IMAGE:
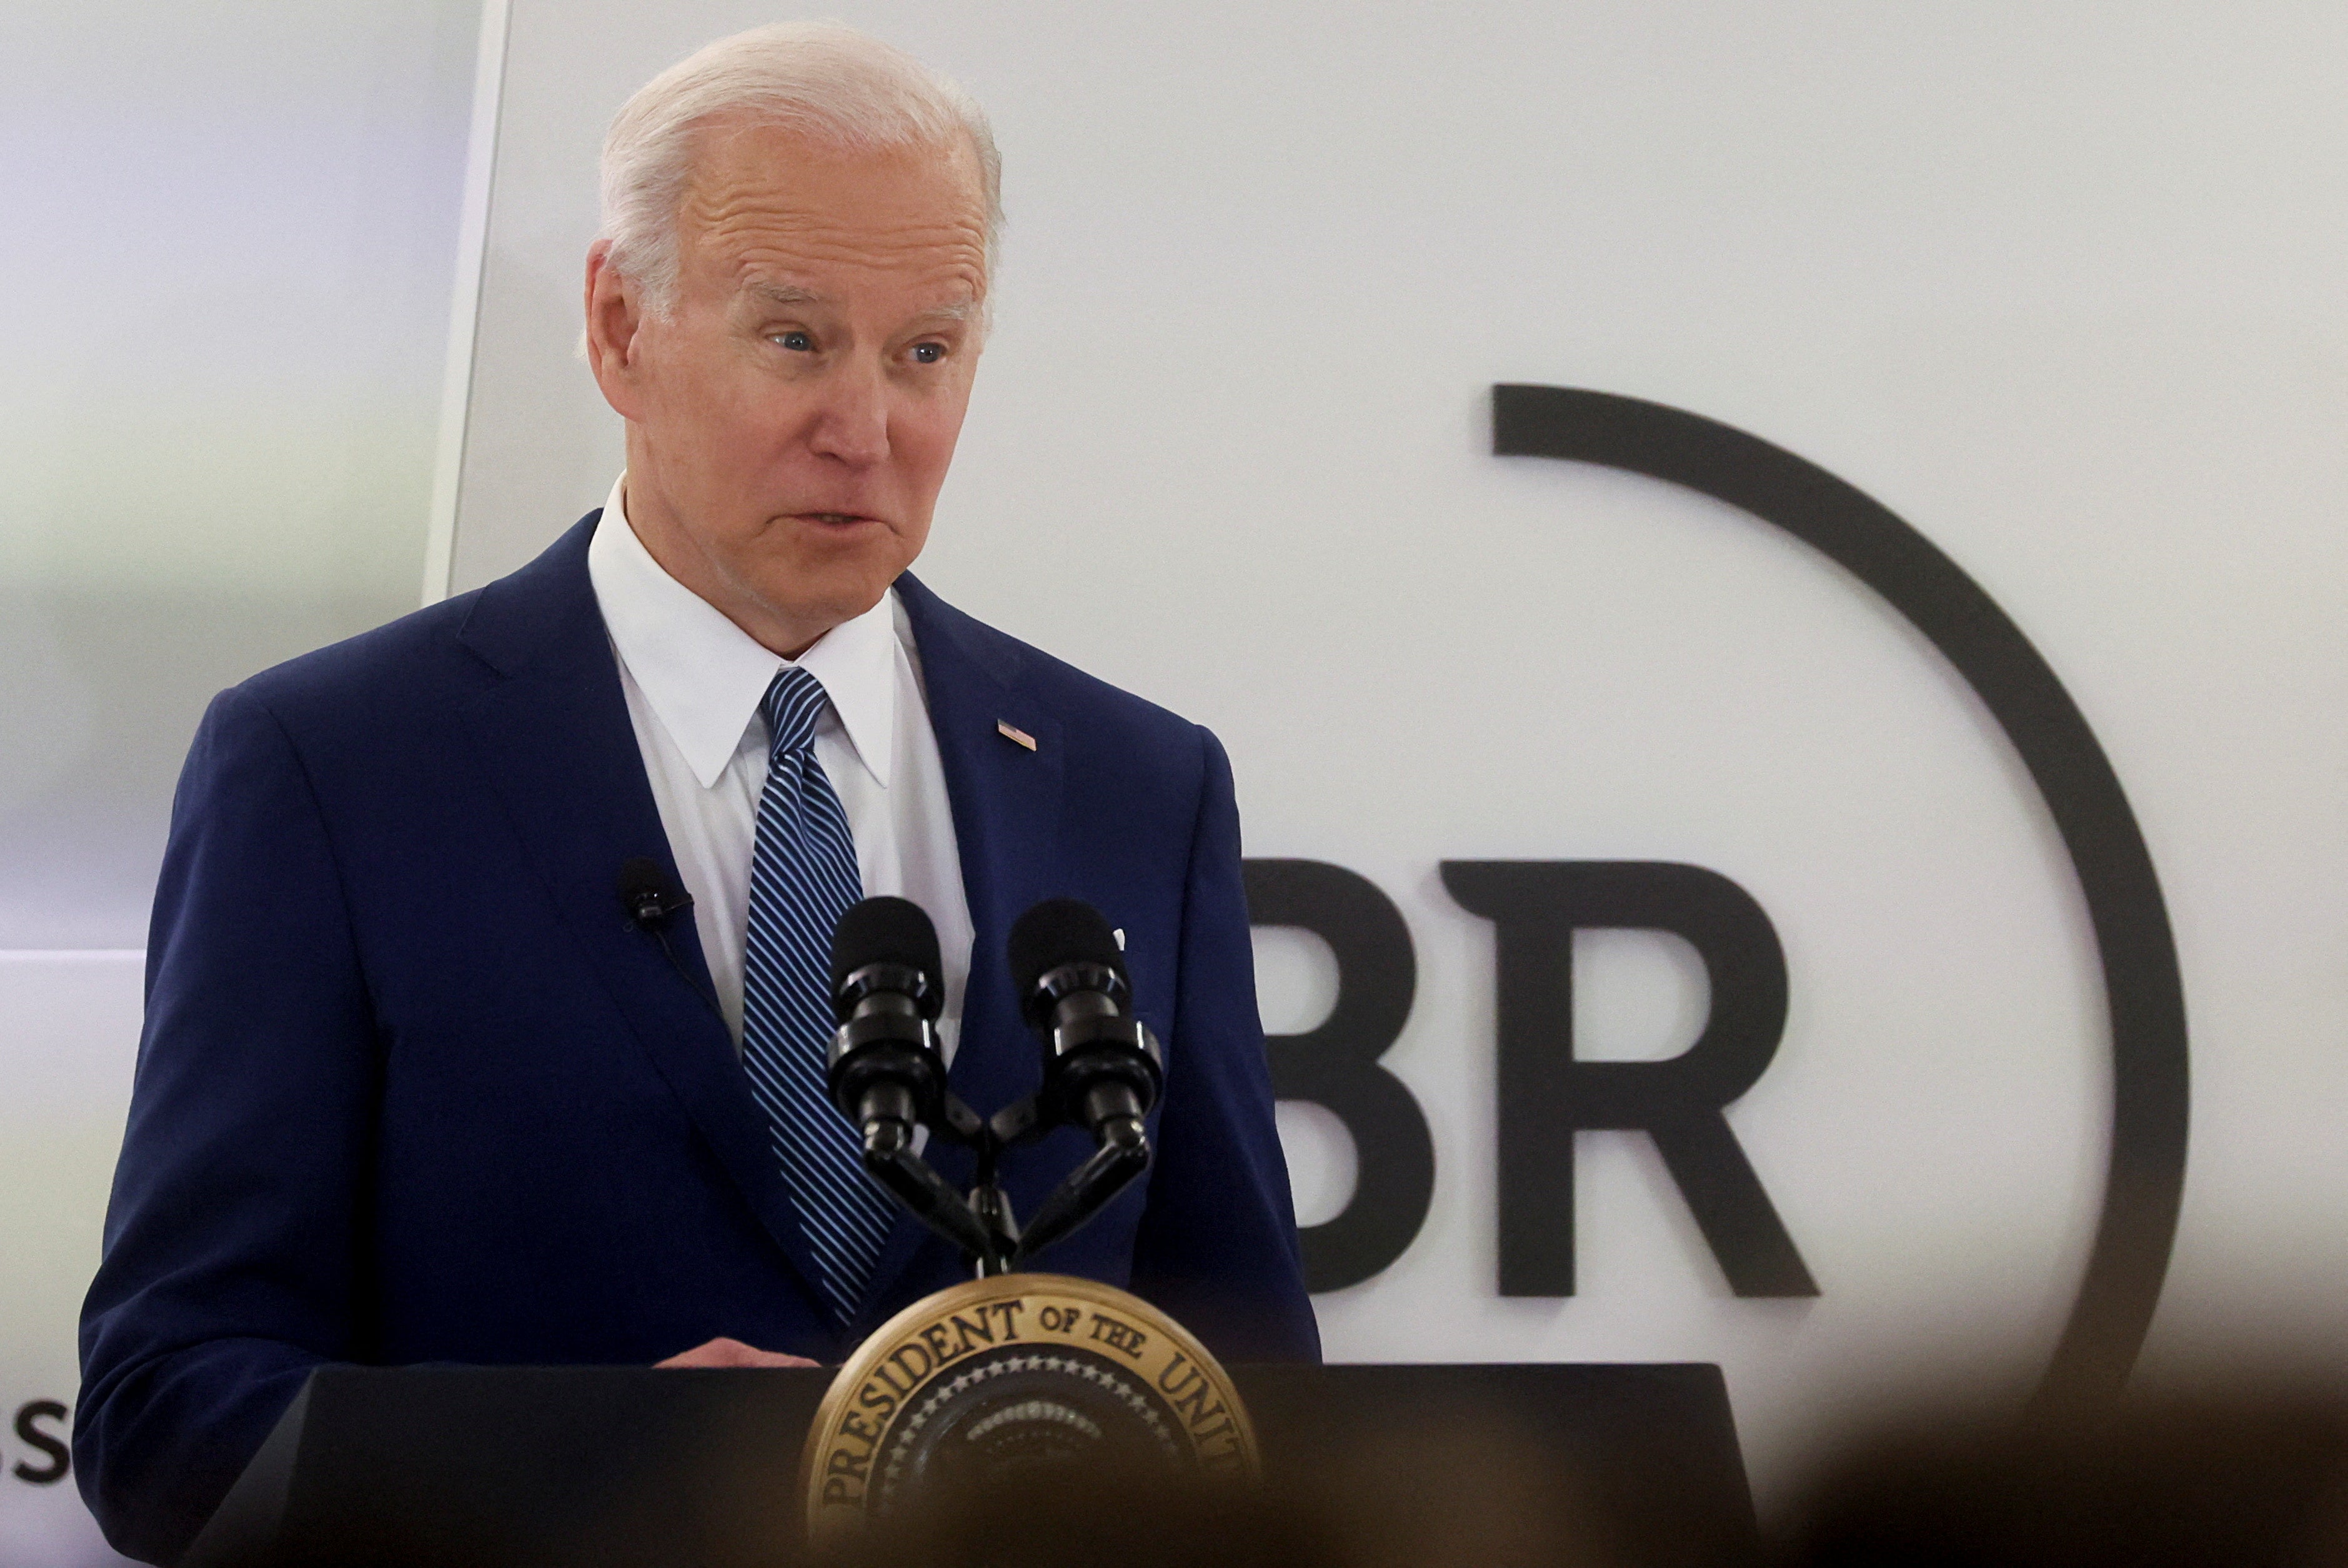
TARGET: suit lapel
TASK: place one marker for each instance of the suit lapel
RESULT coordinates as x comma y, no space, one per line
555,741
1008,830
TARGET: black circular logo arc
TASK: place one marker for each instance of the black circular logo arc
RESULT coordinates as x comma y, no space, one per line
2144,995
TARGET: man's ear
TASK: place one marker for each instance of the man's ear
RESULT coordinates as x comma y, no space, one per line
615,314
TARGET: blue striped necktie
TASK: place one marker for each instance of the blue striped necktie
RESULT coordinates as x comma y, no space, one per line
803,877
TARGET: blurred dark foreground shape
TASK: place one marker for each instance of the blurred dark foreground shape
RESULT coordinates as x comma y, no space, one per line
588,1467
2212,1482
2236,1479
1367,1467
1450,1493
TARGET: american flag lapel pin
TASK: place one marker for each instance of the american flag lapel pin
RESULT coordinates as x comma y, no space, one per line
1011,731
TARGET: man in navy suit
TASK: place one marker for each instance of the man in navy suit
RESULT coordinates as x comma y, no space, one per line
413,1088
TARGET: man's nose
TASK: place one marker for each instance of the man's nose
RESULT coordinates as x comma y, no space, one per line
853,424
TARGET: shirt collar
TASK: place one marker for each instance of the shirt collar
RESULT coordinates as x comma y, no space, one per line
704,675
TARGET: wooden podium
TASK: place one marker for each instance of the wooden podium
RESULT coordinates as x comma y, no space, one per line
519,1467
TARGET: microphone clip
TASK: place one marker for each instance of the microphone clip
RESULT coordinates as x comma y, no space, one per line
650,896
653,899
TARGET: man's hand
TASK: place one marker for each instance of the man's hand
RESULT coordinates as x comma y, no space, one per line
733,1353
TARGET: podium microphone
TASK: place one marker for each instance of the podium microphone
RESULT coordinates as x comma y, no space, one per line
885,1065
1102,1070
887,1074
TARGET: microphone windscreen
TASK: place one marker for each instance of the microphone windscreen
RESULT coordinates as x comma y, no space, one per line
884,931
1060,931
642,877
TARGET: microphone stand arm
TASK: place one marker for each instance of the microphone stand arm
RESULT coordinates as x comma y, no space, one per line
983,1225
889,1156
1123,1154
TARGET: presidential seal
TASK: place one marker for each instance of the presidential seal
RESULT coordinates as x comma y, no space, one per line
1016,1379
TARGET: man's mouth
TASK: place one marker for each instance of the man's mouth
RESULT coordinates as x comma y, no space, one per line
836,519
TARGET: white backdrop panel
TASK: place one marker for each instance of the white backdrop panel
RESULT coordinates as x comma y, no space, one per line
2059,284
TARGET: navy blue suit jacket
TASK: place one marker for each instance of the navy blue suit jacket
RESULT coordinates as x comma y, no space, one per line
412,1089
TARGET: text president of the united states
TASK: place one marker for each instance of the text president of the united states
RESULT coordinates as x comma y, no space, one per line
412,1086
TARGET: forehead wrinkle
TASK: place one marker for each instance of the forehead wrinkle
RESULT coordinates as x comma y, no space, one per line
751,219
731,206
765,269
787,242
760,202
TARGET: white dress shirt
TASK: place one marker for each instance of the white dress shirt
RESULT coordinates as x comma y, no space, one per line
693,681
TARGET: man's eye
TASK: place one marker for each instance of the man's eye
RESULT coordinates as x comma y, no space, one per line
797,342
929,353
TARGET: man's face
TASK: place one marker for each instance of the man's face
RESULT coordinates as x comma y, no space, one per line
791,421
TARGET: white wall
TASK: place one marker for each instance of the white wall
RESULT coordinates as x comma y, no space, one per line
2059,284
230,248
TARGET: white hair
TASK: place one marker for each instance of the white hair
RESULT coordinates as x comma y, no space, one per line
823,78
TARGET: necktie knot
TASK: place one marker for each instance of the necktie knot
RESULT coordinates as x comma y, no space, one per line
793,702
